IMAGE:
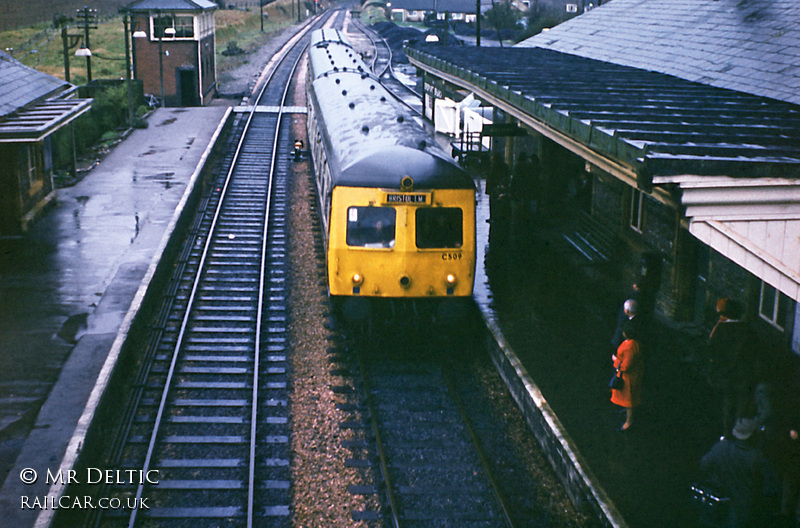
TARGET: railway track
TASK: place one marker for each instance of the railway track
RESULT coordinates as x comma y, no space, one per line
383,68
209,423
423,425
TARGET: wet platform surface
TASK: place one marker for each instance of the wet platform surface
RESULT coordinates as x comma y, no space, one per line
66,288
558,312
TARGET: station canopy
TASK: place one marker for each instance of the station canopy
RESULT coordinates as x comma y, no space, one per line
658,124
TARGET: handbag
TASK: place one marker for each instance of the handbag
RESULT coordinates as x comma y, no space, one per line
712,508
616,382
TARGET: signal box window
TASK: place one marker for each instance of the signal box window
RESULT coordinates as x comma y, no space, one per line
439,227
184,26
371,227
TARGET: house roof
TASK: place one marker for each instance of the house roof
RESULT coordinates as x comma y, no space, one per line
750,46
171,5
21,86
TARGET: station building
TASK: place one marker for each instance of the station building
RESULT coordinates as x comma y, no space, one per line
680,120
173,49
33,105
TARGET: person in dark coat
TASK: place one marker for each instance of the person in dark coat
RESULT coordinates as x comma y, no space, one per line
628,316
523,190
497,182
732,363
738,469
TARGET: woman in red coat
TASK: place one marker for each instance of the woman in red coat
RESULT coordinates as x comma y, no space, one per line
630,363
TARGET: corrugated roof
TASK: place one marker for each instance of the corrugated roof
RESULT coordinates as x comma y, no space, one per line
171,5
35,122
750,46
21,85
656,123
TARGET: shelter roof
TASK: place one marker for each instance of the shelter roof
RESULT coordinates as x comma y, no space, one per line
171,5
21,85
658,124
750,46
30,107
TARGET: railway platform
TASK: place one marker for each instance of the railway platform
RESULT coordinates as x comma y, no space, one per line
71,287
556,312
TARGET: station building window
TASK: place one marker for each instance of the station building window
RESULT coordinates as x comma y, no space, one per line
371,227
34,168
773,306
439,227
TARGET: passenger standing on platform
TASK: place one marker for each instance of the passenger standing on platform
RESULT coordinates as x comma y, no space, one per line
790,468
732,363
627,317
499,204
721,304
739,470
522,190
778,409
630,362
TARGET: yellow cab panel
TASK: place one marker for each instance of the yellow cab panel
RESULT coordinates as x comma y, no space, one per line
395,244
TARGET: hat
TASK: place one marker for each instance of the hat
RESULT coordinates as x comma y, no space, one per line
744,428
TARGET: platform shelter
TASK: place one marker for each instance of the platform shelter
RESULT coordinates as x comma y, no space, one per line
33,105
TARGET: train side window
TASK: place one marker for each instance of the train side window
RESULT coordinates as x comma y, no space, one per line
371,227
439,227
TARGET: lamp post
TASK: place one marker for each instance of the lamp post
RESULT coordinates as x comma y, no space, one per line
69,41
166,31
88,20
126,23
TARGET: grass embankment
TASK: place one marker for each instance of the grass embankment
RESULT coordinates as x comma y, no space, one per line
41,47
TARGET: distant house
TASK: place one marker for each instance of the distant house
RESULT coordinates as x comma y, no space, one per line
174,49
33,105
416,10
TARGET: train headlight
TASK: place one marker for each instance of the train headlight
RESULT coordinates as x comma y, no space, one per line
405,281
357,279
450,280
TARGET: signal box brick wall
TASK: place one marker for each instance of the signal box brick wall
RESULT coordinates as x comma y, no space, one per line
193,55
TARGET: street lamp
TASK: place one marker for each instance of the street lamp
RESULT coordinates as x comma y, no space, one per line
126,20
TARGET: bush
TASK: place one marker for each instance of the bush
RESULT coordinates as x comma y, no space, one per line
109,112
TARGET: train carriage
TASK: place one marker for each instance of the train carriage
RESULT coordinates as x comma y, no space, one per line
398,212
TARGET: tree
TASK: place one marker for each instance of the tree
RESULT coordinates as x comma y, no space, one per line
503,15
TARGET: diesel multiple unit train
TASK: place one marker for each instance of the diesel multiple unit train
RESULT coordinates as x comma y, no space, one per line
398,213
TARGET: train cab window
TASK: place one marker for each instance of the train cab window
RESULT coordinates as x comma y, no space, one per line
439,227
371,227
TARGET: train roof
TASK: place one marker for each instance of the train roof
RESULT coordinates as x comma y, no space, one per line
321,37
334,58
374,140
387,167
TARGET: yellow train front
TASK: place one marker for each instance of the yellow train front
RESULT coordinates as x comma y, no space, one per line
398,213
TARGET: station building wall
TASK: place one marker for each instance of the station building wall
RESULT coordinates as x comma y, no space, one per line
27,181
